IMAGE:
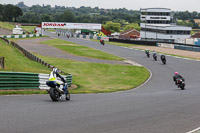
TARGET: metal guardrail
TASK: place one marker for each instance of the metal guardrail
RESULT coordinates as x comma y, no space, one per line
2,62
21,80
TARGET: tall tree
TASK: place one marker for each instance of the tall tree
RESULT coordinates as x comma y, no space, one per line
111,26
68,16
132,26
17,12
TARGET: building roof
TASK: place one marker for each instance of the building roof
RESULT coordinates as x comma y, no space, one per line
128,31
165,25
196,35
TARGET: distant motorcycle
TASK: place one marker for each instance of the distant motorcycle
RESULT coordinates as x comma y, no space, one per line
147,53
102,42
55,91
180,83
163,59
155,56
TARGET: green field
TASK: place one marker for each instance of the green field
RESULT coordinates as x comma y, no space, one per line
6,25
80,50
88,77
28,28
99,78
16,62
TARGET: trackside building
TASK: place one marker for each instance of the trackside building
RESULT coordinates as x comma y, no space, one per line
156,24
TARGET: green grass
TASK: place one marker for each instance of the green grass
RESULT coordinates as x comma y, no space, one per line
80,50
6,25
16,62
22,92
28,28
89,77
100,78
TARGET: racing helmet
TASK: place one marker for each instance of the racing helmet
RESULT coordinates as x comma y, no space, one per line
176,73
55,70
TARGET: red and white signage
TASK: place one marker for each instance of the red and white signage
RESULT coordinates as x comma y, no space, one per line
63,25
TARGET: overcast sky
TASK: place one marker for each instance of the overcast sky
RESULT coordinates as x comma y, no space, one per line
175,5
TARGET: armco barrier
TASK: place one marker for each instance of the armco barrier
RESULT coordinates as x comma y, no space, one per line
14,80
21,80
21,36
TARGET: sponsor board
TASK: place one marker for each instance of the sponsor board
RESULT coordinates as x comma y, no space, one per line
71,25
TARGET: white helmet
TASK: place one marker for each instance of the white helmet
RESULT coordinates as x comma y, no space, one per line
55,70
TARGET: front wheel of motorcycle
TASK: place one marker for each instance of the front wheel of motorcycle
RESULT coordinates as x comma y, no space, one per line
182,86
67,96
54,94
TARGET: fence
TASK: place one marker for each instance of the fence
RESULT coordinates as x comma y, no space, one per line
194,48
29,55
20,80
1,62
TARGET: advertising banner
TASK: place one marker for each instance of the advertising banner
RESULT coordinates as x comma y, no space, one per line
63,25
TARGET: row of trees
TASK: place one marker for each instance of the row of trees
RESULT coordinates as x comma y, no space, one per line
117,27
115,17
9,12
37,14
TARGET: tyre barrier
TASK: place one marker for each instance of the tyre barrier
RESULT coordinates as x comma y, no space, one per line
22,80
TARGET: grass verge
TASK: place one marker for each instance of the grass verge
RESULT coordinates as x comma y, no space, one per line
80,50
89,77
100,78
6,25
22,92
16,62
28,28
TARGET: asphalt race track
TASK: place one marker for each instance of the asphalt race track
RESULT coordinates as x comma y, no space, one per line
156,107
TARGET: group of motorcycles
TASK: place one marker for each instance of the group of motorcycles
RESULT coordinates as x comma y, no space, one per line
162,57
179,82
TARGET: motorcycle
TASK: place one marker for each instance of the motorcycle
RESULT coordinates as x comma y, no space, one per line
148,54
56,93
180,83
163,59
155,57
102,42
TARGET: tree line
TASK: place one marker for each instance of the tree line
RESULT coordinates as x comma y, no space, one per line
10,12
123,17
38,14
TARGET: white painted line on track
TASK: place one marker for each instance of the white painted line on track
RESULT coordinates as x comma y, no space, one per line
197,130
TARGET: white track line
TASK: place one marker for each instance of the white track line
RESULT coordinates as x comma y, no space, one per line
197,130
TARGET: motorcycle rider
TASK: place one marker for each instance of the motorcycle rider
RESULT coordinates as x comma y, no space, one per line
55,76
162,57
146,51
102,41
176,77
154,55
154,52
